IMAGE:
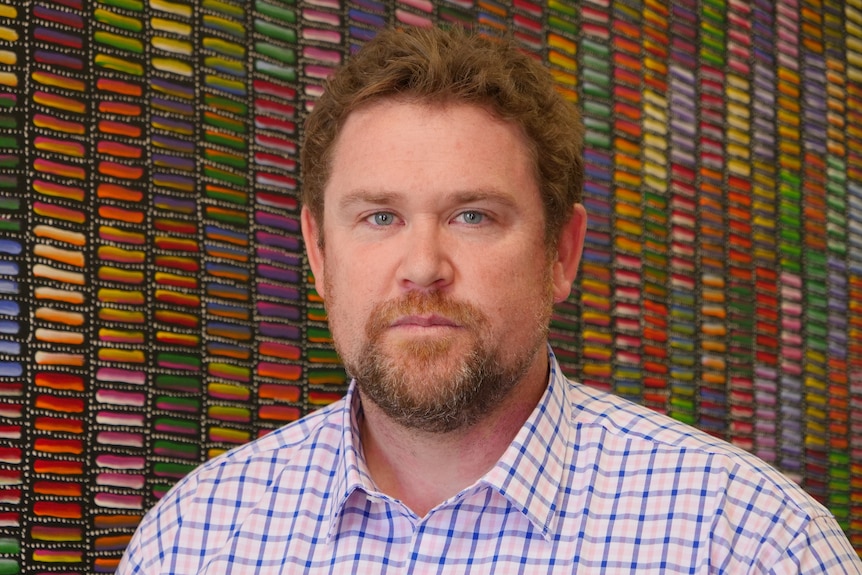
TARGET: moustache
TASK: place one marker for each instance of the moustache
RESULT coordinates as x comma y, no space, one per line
416,303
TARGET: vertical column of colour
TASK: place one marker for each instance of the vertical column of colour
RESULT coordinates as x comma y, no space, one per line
118,398
595,95
14,290
322,49
59,178
174,397
852,55
740,270
528,27
740,276
458,12
765,248
654,203
178,399
790,234
836,242
815,270
278,251
366,17
683,169
59,252
414,12
560,34
561,59
491,16
223,43
628,229
712,351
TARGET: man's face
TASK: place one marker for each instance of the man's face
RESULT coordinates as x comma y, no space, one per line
437,281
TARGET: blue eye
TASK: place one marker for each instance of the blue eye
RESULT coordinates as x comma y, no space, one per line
471,217
383,218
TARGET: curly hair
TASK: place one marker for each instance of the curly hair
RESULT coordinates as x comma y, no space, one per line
452,65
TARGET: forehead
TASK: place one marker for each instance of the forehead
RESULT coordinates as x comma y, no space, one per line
402,142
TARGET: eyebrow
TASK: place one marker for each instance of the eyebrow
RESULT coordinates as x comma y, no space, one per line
362,196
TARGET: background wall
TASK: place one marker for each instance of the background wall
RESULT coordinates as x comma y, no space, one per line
156,310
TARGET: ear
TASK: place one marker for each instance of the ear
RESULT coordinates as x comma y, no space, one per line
570,244
311,235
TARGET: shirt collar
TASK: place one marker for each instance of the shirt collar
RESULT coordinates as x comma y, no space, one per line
351,473
529,473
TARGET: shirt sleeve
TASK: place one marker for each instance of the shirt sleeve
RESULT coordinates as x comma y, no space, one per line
821,548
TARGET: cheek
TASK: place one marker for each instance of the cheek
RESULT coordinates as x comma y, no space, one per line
516,271
510,296
348,299
344,323
356,271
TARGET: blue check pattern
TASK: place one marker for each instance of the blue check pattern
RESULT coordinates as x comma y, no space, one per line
591,484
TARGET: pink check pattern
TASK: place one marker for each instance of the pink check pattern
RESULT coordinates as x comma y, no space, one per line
591,484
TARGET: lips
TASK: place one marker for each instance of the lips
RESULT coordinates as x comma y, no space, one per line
423,321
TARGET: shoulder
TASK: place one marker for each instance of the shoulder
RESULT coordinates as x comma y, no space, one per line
664,448
714,497
197,515
312,440
621,417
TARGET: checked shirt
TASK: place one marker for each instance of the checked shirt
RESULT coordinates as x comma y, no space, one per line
591,484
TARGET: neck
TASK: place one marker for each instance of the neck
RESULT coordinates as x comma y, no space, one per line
423,469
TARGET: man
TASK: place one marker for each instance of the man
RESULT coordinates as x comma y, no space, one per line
442,218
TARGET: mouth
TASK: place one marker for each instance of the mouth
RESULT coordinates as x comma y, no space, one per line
424,321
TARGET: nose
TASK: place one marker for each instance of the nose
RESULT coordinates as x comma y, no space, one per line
426,261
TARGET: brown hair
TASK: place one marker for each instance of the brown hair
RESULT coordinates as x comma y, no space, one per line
453,65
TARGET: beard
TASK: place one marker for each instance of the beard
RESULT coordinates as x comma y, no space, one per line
440,384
